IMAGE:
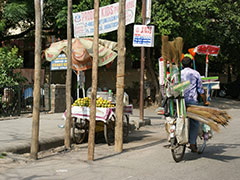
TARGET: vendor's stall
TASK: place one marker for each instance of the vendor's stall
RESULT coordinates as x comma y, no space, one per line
105,119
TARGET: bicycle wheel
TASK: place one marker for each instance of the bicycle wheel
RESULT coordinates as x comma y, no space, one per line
79,130
178,150
109,132
202,142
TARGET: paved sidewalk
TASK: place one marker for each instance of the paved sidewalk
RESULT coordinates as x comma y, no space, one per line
16,132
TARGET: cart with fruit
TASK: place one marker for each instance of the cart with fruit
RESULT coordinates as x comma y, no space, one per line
105,119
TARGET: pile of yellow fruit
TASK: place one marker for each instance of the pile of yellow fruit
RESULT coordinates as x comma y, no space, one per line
86,101
103,103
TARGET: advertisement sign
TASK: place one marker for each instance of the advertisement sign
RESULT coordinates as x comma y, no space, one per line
83,22
60,63
143,36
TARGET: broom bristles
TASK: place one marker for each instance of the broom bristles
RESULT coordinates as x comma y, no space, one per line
179,46
172,50
212,124
216,115
165,49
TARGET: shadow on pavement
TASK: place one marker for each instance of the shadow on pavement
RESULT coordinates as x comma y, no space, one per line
215,152
137,136
224,103
143,146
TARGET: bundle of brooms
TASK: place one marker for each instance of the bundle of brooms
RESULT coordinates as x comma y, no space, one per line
208,115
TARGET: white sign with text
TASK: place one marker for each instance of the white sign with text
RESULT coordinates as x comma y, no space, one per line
143,36
83,22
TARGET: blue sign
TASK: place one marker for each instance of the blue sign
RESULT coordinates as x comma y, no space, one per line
60,63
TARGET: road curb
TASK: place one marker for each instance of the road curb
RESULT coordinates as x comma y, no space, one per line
44,144
138,123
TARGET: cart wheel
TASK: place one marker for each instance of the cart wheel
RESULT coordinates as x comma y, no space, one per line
125,128
109,132
79,130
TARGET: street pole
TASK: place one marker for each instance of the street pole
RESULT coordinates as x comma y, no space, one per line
67,137
91,138
141,104
120,78
37,81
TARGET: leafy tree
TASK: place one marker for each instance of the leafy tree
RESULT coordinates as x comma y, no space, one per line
9,60
19,14
16,14
202,22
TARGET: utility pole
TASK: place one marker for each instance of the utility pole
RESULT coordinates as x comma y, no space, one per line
67,136
91,138
37,81
141,104
120,78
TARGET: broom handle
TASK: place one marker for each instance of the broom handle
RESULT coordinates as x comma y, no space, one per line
184,107
194,63
178,108
206,70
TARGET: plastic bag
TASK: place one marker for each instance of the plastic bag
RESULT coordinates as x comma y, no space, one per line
182,127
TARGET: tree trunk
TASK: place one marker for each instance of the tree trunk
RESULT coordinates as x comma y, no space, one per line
120,78
67,137
37,80
91,138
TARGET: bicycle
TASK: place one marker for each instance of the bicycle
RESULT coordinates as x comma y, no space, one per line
174,110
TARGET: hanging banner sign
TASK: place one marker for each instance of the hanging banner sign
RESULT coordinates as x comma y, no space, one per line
83,22
143,36
60,63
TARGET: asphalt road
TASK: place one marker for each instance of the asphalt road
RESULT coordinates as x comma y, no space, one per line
144,158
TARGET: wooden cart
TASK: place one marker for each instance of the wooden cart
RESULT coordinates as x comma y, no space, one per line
105,121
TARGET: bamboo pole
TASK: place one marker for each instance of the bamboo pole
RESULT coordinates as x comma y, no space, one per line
37,80
91,138
67,137
120,78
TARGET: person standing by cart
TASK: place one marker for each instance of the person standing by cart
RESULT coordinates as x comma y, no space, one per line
191,95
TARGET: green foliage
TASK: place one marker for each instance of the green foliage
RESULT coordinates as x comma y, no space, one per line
16,14
202,22
9,60
197,21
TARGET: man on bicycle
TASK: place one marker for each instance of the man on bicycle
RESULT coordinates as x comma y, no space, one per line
191,95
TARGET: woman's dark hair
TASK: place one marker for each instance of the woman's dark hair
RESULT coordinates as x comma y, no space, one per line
187,62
